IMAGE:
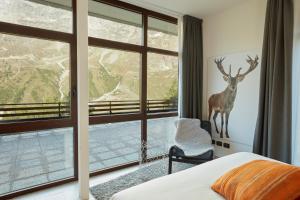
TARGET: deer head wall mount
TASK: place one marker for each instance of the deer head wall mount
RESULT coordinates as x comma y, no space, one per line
223,102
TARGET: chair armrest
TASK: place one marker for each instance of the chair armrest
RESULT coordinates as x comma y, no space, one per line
206,125
176,151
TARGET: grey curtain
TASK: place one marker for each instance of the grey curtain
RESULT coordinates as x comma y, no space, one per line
273,132
192,68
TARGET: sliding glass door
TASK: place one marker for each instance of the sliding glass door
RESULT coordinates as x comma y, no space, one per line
133,84
37,105
133,90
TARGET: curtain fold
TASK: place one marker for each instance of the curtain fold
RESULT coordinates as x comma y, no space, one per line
273,134
192,68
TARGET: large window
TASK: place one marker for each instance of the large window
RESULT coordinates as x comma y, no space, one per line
37,96
133,83
133,89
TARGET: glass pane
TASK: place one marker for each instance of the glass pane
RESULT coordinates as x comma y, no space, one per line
162,87
162,35
47,14
114,144
34,158
114,79
112,23
161,135
34,78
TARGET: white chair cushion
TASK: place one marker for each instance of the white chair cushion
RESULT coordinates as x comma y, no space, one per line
191,138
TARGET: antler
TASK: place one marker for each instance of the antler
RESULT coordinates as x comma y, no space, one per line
221,68
253,64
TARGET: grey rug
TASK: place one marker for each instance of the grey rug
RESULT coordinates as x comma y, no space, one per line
146,173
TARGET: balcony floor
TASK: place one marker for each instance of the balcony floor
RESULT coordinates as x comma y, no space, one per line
30,159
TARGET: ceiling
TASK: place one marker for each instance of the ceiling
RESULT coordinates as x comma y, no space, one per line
196,8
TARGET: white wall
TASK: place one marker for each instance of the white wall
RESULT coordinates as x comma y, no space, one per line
238,29
296,87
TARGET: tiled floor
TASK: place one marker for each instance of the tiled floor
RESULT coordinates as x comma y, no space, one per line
34,158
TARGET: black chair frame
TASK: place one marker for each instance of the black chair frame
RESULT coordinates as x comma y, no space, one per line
177,155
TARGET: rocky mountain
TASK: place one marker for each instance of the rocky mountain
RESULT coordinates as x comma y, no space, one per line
35,70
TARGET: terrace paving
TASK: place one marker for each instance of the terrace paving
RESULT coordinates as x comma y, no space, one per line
30,159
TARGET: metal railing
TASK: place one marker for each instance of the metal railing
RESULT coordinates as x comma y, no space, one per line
62,109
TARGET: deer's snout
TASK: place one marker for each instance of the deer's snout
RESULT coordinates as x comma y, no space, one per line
233,83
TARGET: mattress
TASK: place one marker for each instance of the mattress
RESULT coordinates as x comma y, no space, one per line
191,184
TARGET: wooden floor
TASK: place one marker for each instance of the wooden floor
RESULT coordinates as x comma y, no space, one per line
70,191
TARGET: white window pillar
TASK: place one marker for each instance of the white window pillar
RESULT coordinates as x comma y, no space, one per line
83,97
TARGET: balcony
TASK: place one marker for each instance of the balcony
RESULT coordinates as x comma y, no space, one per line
32,158
12,112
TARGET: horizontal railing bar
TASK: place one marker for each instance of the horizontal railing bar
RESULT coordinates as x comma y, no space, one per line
115,101
130,108
161,107
167,110
34,108
126,108
158,100
96,108
150,104
35,119
129,100
34,113
89,102
116,104
22,104
104,105
129,104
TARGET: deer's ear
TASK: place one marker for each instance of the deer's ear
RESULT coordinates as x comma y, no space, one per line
225,78
241,78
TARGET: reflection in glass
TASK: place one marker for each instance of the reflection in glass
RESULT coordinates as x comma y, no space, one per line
162,34
161,135
45,14
112,23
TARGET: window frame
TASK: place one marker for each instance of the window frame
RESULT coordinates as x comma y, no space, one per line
71,38
19,126
143,49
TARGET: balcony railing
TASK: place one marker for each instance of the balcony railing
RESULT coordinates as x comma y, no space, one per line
62,109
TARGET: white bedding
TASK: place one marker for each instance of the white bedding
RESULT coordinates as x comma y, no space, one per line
190,184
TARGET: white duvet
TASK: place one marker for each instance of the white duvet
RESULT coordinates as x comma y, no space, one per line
190,184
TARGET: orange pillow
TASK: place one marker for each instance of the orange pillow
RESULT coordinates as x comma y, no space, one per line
260,180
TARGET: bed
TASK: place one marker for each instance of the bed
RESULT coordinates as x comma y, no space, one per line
191,184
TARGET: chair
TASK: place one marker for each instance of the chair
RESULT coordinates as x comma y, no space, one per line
193,142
